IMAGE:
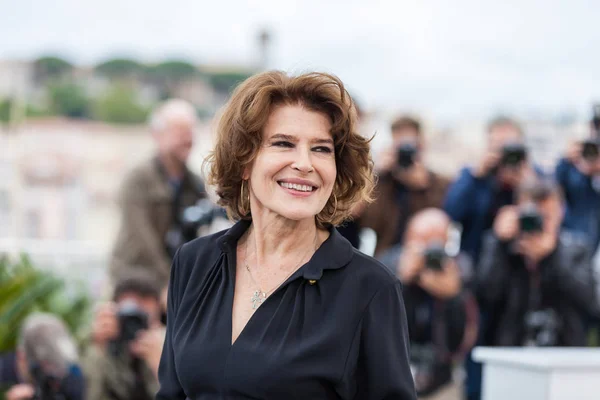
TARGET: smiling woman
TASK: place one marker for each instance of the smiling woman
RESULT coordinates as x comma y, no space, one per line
281,305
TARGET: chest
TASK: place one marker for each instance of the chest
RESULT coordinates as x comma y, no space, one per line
289,344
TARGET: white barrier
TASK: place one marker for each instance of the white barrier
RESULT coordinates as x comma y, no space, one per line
540,373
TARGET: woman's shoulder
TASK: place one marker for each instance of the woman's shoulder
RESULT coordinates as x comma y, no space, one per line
371,272
196,257
202,248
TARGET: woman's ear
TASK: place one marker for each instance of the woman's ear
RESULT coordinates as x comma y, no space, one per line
246,172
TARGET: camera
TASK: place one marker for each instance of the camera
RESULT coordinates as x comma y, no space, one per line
406,155
530,220
542,328
513,154
590,149
434,256
189,221
132,319
47,386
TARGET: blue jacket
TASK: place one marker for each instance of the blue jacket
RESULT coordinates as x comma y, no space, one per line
582,201
473,202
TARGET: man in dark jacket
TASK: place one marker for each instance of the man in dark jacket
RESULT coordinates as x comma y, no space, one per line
122,360
579,177
441,312
538,282
154,195
405,185
479,192
474,199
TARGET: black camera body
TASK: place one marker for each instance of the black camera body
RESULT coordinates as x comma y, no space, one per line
189,222
405,155
132,319
590,149
513,154
47,387
542,327
530,220
435,255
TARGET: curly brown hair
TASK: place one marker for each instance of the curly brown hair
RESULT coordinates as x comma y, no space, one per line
240,135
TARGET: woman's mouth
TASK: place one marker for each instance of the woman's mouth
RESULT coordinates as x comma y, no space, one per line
297,187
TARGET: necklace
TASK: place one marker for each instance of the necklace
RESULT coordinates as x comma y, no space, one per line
259,296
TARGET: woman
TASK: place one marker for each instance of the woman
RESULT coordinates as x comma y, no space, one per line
280,306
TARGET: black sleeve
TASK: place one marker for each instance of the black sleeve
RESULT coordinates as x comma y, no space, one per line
570,272
170,387
493,270
383,361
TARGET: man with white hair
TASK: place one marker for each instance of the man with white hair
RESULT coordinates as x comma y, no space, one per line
46,361
154,195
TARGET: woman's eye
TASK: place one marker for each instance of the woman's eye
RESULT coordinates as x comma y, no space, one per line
323,149
283,144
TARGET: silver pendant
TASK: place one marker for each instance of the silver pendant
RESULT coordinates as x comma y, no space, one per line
257,298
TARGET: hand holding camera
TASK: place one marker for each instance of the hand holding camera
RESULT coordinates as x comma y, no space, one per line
21,391
432,268
411,262
535,238
506,224
148,346
441,275
105,326
488,163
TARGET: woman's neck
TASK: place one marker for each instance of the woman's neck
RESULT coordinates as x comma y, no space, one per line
277,241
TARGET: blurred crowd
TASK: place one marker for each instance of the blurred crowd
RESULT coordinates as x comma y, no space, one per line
501,255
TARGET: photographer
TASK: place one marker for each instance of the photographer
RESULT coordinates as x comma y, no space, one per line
579,177
46,362
537,280
155,195
441,312
405,185
127,340
475,197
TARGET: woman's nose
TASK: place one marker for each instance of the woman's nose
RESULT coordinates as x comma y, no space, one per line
303,162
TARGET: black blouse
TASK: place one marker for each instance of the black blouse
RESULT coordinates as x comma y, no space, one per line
342,337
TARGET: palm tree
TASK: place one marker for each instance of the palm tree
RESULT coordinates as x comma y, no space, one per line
25,289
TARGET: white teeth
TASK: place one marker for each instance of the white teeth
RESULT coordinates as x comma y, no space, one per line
301,188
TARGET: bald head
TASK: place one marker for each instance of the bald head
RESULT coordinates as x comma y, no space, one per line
172,124
430,224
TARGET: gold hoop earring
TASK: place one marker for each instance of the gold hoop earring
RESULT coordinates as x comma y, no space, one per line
244,209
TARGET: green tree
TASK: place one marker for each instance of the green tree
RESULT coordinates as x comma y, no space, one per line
227,81
25,289
119,105
68,99
50,68
5,105
167,75
120,68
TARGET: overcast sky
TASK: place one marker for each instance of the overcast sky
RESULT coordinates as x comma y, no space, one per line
445,58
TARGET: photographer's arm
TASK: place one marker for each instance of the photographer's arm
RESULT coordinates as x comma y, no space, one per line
570,271
457,203
493,272
443,284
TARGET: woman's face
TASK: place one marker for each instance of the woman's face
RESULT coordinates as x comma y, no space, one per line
294,171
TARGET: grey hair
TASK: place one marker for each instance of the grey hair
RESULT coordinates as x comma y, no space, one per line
44,339
173,108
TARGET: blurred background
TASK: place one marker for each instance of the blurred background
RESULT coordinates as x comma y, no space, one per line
78,80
